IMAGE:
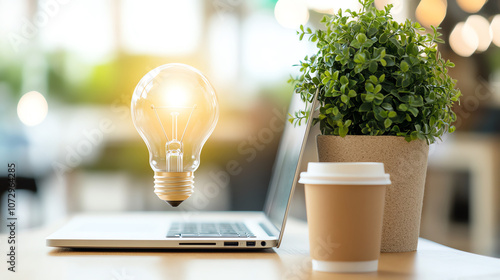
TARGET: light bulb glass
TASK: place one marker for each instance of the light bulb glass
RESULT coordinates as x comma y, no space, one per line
174,109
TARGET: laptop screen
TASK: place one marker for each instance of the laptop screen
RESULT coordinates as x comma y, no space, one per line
286,165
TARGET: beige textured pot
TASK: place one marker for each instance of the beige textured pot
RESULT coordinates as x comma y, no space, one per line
407,165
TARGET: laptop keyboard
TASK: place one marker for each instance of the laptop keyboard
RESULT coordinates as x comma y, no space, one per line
209,230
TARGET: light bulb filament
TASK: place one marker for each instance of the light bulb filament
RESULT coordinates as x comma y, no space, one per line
174,124
174,147
189,119
161,124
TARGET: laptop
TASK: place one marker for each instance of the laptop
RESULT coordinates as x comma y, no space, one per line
200,230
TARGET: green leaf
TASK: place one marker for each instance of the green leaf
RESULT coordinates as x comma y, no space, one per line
390,61
343,131
382,53
344,80
335,75
373,66
406,82
387,106
404,66
369,87
372,31
417,102
361,38
432,121
359,58
414,135
392,114
383,39
413,111
358,68
344,98
352,93
387,123
355,44
403,107
373,79
365,107
395,42
335,110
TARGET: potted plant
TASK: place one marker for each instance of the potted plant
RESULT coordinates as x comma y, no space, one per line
385,95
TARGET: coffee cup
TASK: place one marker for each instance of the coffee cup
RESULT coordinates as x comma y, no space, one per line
345,206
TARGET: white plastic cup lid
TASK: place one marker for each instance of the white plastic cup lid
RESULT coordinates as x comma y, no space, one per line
345,173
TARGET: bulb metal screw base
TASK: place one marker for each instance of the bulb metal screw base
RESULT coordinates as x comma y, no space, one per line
174,187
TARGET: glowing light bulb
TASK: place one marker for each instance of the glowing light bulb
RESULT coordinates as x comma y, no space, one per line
174,109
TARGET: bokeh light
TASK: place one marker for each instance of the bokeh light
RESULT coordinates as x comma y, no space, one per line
32,108
431,12
399,8
471,6
464,40
495,30
481,27
291,13
331,7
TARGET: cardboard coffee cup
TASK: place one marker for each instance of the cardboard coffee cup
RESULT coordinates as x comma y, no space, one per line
345,206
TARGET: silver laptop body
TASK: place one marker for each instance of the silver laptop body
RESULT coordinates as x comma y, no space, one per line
259,229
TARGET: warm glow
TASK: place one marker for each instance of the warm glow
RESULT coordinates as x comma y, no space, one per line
471,6
481,27
175,96
431,12
32,108
463,40
291,13
495,30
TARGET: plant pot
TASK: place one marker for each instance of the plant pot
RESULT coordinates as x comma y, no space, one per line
407,165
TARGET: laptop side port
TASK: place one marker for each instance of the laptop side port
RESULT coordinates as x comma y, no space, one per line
231,243
250,243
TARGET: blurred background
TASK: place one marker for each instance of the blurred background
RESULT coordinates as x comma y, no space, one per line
68,69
